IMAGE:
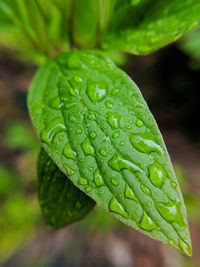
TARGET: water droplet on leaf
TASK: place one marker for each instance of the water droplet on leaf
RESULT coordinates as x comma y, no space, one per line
98,178
157,174
93,135
115,135
139,123
103,152
113,119
145,142
116,207
170,212
114,181
68,152
146,223
129,193
82,181
87,147
96,92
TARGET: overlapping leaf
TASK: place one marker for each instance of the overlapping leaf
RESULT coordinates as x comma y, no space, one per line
143,26
61,202
94,123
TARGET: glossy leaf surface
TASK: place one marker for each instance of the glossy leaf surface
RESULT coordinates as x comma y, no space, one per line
61,202
143,26
94,123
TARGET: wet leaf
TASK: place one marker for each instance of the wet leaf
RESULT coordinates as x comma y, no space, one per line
61,202
141,27
94,123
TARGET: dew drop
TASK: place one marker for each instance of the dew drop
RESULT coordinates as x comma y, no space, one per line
118,163
72,92
145,142
157,174
88,189
87,147
122,143
91,116
130,121
82,181
145,190
90,168
93,135
116,207
98,178
72,118
115,135
113,119
128,127
114,181
103,152
69,170
115,91
108,104
69,105
79,131
129,193
77,79
139,123
170,212
173,184
68,152
146,223
149,203
96,92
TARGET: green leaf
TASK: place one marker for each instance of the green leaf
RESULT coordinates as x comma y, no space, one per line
94,123
61,202
141,27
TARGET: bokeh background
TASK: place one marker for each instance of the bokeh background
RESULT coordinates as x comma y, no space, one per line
169,81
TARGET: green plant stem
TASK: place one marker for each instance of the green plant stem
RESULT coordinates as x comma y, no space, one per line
70,22
37,24
105,11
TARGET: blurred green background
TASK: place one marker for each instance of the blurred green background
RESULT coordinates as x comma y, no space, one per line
169,80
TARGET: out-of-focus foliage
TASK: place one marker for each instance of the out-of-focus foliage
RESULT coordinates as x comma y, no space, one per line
192,200
18,221
8,182
40,28
19,136
20,214
141,27
37,28
190,44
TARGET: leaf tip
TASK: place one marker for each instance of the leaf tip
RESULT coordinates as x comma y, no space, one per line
186,248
